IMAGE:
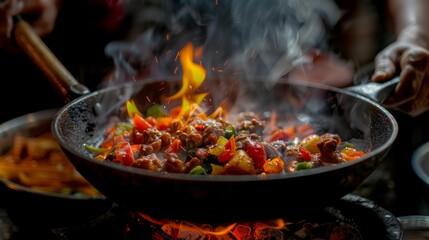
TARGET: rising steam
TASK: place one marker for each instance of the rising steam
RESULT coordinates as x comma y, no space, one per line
240,37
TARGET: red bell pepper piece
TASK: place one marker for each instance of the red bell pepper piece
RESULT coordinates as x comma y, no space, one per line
306,155
230,149
124,153
231,144
140,123
199,127
256,151
225,156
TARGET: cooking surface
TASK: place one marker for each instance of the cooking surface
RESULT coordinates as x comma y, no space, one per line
350,214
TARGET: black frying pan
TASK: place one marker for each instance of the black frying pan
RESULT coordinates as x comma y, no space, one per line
355,118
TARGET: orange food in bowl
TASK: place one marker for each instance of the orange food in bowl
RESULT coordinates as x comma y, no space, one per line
39,163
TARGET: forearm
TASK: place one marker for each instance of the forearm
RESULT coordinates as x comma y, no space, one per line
411,20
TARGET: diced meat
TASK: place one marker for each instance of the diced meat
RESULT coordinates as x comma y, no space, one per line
328,148
173,164
149,162
194,162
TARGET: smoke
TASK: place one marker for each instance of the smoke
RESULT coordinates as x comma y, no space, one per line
239,37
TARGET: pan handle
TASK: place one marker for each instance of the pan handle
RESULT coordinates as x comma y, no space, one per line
54,70
377,92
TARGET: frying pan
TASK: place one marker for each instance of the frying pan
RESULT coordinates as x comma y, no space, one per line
355,118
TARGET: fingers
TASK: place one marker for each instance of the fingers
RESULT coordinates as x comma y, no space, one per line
406,89
8,9
412,93
41,15
385,64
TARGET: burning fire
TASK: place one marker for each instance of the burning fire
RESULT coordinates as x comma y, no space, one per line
193,74
277,229
193,77
188,230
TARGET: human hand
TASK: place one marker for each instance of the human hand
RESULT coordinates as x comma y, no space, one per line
8,9
408,59
40,14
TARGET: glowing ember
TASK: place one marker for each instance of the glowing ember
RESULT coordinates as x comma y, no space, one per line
278,229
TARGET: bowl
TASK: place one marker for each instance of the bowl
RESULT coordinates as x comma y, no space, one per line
415,227
420,163
38,206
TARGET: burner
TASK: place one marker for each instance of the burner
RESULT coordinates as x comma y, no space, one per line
349,218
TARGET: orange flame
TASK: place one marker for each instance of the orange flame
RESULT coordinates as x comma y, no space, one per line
193,74
239,230
187,226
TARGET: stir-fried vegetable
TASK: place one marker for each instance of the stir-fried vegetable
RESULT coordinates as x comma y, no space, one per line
198,144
